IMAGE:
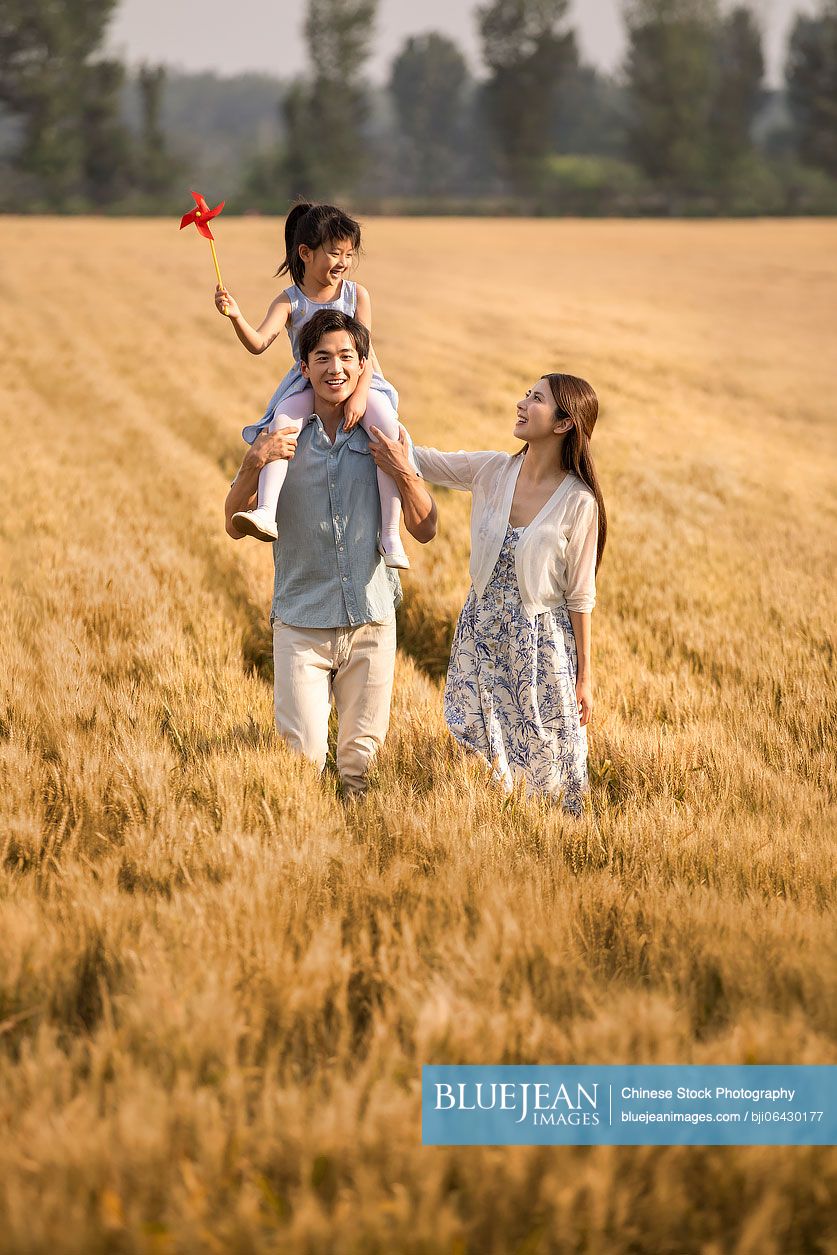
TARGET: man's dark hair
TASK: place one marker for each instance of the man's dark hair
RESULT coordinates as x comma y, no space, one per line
326,320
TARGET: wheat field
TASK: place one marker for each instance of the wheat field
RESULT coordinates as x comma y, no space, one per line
218,982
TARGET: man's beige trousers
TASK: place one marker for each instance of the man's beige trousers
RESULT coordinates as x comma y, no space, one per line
352,666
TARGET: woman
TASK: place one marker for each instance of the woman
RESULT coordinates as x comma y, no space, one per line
519,685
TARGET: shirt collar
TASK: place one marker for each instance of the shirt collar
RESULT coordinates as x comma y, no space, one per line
342,434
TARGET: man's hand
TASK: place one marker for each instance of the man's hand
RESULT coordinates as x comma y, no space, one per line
392,456
584,697
271,446
268,446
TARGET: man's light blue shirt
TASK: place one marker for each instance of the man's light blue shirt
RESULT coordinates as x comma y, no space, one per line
328,571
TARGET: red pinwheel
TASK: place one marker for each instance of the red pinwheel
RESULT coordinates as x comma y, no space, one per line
201,216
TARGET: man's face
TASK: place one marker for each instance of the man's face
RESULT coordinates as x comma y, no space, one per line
334,367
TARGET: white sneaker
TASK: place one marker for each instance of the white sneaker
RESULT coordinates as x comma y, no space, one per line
395,558
256,523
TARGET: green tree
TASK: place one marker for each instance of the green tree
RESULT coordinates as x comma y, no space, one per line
155,168
739,71
107,158
427,84
46,80
811,77
670,72
324,114
528,51
590,114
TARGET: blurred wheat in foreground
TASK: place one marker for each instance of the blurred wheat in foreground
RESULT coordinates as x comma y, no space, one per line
218,984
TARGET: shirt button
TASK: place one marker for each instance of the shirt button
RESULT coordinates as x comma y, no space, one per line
345,579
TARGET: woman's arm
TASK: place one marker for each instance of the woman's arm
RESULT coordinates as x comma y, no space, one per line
580,594
581,621
582,544
453,470
255,339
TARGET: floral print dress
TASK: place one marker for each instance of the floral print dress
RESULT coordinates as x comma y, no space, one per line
510,691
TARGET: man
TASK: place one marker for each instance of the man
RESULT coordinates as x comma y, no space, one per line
334,599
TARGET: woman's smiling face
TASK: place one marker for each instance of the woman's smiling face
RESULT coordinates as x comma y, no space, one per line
536,413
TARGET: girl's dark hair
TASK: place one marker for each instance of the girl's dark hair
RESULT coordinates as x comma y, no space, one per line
576,400
314,225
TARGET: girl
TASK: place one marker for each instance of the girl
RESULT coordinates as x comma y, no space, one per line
519,688
321,245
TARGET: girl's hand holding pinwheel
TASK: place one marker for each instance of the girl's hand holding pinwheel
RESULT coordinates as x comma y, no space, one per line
226,304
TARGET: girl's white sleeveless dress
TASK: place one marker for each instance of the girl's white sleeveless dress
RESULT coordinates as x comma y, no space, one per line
303,309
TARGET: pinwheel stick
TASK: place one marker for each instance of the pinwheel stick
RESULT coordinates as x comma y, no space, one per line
217,267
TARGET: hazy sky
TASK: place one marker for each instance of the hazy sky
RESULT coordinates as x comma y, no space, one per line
234,35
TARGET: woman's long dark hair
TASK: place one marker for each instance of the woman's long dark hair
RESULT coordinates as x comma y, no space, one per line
576,400
314,225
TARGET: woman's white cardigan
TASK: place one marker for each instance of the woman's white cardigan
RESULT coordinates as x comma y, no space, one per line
555,558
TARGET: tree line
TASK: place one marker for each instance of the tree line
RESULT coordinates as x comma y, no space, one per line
687,124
